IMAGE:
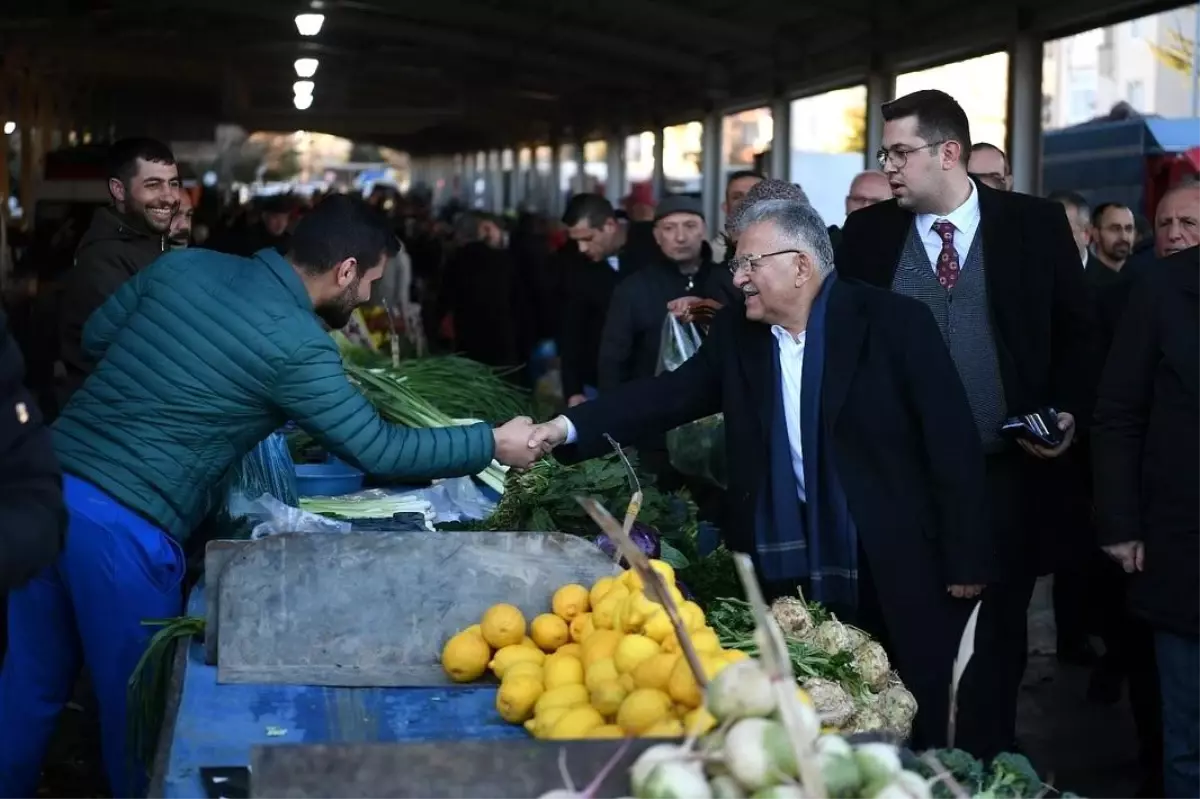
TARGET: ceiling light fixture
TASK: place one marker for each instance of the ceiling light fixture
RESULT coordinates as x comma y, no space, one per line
303,88
302,101
10,127
309,24
306,67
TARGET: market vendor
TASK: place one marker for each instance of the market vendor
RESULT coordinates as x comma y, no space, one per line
200,357
854,464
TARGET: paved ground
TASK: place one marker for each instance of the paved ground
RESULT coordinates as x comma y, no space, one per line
1076,745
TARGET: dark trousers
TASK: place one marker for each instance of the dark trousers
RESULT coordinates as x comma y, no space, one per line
987,715
1179,677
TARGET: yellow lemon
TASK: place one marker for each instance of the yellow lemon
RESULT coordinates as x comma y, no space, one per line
516,698
576,723
658,626
569,601
634,581
665,570
514,654
541,723
561,671
465,657
734,655
571,650
529,642
581,627
607,697
692,616
599,672
523,668
563,696
635,611
600,645
599,589
549,632
665,728
627,682
474,629
632,650
602,614
698,721
655,671
682,685
606,731
671,643
705,641
642,709
629,580
618,622
502,625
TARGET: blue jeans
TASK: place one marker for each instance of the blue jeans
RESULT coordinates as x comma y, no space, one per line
115,571
1179,679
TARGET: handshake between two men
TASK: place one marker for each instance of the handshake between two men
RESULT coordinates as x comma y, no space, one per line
520,443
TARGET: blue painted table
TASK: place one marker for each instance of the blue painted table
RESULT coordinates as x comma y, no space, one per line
215,725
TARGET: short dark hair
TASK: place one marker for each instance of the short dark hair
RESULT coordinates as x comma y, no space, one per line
983,145
743,173
1103,208
939,117
590,208
124,154
339,227
1071,198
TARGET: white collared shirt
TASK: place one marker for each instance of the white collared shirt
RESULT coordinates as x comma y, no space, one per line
965,219
791,369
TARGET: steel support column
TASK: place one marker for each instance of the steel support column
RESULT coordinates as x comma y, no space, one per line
711,180
781,139
554,206
579,183
881,87
658,178
495,182
614,182
1025,112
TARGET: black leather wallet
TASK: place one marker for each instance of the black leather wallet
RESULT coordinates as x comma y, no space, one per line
1039,427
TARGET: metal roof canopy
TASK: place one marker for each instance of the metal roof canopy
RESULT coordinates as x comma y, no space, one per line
442,76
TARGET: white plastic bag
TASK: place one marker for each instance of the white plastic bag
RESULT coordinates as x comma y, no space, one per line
272,517
696,449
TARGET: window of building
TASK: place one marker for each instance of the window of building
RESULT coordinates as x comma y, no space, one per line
829,133
980,85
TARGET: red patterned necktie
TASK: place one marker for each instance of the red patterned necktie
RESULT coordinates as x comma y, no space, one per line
947,265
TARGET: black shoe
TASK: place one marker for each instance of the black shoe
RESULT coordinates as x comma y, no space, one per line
1080,653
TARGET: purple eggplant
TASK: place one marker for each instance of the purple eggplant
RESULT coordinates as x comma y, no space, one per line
642,535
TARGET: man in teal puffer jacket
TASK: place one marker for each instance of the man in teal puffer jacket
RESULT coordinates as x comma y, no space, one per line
200,356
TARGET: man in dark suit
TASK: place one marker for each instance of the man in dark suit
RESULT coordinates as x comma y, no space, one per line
1146,458
854,467
611,252
1000,271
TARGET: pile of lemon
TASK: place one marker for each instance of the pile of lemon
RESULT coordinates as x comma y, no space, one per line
606,663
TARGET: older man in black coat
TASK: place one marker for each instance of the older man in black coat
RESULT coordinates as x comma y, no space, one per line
854,468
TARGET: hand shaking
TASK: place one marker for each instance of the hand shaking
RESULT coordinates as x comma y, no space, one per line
512,443
545,437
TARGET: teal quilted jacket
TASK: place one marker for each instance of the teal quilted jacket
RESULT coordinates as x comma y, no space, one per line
202,355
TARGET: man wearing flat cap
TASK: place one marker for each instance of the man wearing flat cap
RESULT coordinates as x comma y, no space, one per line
633,327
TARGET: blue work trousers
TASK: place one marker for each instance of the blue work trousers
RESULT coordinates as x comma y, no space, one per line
116,571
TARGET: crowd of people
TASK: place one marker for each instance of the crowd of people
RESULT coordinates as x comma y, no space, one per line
960,389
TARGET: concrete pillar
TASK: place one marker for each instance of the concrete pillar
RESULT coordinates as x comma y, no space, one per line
554,202
580,183
881,87
614,183
495,182
781,139
1024,144
658,178
712,186
25,119
469,179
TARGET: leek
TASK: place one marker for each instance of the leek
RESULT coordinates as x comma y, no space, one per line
147,689
399,404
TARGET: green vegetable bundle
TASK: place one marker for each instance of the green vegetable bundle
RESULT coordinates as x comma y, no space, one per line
147,690
397,402
1008,775
542,498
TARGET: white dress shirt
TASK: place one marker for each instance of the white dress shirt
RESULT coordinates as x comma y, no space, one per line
965,219
791,369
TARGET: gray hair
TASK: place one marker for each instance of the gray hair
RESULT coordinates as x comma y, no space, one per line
798,224
767,189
